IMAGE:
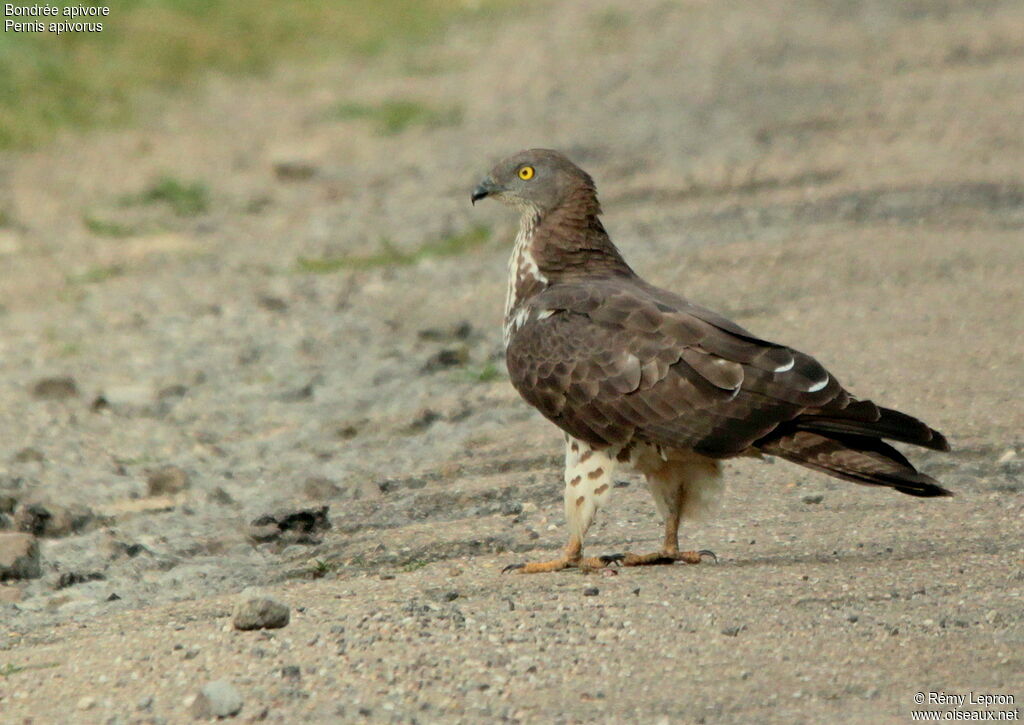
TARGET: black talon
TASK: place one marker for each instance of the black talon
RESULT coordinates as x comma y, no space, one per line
512,567
708,552
609,559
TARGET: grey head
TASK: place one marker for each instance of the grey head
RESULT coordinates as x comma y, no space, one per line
536,180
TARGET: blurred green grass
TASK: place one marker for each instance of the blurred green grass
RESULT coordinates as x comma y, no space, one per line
185,198
390,256
393,117
48,82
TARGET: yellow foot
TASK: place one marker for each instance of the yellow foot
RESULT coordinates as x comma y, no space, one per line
661,557
588,563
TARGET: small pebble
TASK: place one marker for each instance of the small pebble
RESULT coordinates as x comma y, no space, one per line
51,519
511,508
19,557
28,455
591,592
86,703
258,610
55,389
167,480
217,699
291,672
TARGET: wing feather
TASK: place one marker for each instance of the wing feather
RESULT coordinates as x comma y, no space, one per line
610,361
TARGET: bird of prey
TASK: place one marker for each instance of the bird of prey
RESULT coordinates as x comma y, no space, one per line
638,376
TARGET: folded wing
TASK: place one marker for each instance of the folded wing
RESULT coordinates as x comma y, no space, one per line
617,360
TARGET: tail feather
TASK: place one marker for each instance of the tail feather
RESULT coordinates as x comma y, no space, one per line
864,418
857,458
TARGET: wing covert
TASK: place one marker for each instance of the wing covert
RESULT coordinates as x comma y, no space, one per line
610,363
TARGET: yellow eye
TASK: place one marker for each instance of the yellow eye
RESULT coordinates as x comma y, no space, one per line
526,173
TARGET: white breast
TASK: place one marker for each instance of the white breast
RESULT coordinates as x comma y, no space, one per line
522,267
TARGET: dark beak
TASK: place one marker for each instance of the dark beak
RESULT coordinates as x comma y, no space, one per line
484,189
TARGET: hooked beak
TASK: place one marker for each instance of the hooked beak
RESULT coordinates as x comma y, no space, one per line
484,189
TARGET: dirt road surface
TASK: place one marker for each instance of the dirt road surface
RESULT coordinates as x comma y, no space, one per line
842,177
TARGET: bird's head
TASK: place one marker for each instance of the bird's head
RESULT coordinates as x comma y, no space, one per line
536,180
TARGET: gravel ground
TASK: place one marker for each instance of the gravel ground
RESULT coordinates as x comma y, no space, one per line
182,395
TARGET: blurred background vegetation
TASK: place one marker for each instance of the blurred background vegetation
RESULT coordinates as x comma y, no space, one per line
49,82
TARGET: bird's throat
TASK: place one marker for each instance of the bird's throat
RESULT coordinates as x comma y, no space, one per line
525,278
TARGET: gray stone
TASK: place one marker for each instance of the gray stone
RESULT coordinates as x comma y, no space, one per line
28,455
217,699
172,391
271,303
294,170
220,496
87,702
299,395
167,480
55,389
19,557
298,526
291,672
446,359
318,488
511,508
46,518
258,610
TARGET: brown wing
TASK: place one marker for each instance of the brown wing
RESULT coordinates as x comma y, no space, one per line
615,359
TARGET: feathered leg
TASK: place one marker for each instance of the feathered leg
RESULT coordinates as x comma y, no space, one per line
680,489
588,482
